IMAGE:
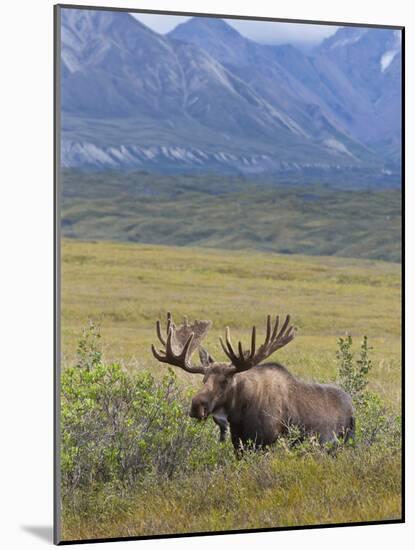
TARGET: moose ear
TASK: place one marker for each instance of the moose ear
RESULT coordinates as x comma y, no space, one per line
205,358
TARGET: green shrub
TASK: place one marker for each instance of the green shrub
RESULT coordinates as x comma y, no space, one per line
118,426
88,352
374,422
353,374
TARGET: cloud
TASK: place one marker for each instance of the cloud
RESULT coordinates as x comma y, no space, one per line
266,32
273,32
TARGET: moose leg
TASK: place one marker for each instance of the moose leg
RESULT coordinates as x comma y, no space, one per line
344,434
349,432
221,420
330,442
238,441
327,437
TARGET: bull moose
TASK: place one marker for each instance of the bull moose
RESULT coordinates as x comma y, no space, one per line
258,401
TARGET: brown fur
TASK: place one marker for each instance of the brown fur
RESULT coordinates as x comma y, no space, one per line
261,403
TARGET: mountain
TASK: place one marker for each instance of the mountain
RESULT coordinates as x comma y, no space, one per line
200,99
221,40
371,60
133,98
352,80
108,67
283,75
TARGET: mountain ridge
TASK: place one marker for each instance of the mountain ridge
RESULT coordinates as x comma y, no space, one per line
134,99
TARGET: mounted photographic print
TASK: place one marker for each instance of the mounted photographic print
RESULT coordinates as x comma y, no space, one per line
228,308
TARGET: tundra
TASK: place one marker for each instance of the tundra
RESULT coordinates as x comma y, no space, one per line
257,401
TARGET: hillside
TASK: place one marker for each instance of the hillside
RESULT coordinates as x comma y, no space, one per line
232,213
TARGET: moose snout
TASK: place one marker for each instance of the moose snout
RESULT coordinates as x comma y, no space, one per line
199,408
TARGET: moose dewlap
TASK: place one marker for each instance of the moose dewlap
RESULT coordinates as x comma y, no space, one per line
257,401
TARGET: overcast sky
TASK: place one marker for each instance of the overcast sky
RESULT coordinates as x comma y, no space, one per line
266,32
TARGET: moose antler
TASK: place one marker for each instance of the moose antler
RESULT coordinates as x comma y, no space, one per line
180,343
274,340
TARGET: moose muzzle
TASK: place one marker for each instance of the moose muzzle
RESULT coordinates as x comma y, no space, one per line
199,408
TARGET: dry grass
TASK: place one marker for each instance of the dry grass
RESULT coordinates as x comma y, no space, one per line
271,491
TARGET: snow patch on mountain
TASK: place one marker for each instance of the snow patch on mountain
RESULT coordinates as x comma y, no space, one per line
337,146
138,157
389,55
387,59
340,43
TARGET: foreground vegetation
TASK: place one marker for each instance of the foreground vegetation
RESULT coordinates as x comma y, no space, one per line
134,463
232,213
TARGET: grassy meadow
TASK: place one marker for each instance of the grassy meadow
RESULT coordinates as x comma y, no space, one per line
125,287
